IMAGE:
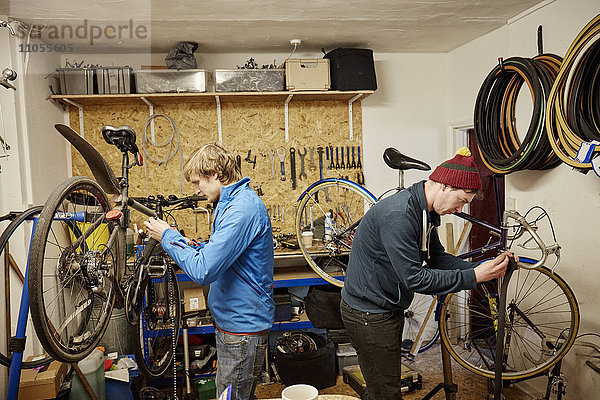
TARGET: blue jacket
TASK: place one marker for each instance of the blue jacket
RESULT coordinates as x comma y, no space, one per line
387,262
237,261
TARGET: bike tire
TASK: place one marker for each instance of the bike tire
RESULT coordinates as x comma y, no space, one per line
10,230
543,297
154,334
414,317
348,202
70,307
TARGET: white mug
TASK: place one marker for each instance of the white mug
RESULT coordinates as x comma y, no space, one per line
300,392
307,238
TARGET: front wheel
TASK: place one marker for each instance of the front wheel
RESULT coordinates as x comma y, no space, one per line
331,210
157,330
542,320
71,277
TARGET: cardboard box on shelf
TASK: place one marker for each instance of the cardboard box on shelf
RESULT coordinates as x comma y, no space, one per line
307,74
194,299
42,384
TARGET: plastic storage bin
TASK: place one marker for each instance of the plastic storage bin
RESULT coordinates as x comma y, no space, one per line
206,389
172,81
346,356
92,368
76,80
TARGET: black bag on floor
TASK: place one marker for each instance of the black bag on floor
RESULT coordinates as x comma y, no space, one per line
297,363
352,69
322,305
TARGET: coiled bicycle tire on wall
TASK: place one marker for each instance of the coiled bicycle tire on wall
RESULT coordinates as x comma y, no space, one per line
501,148
573,109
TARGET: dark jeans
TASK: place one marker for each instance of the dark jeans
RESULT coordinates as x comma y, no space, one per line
377,339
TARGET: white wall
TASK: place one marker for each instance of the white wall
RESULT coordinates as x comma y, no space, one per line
572,199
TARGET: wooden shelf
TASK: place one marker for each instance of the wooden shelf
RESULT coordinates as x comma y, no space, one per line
210,97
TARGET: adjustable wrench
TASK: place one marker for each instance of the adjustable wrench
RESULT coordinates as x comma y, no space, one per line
281,155
272,157
293,167
302,156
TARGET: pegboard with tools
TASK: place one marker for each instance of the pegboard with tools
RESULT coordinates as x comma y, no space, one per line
319,146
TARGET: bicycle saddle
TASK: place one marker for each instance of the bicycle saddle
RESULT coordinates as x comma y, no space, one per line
396,160
123,137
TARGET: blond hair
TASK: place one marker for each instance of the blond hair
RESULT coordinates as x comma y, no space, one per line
213,158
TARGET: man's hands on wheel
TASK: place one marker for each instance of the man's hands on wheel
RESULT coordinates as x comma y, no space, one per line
494,268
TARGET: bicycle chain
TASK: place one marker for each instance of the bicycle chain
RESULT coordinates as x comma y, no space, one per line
171,302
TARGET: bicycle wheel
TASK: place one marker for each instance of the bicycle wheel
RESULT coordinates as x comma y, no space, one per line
72,271
346,202
19,230
414,317
157,331
542,319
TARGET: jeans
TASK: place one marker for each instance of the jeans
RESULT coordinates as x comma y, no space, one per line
377,339
240,361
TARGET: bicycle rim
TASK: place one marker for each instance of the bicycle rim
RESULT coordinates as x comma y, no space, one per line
20,231
542,320
71,280
158,325
414,317
347,202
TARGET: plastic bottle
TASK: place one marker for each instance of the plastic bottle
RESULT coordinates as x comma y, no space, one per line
130,241
328,227
92,368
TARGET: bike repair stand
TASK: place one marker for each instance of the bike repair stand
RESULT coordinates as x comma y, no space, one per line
449,387
17,342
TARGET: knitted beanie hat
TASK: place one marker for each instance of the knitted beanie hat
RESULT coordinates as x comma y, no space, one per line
459,172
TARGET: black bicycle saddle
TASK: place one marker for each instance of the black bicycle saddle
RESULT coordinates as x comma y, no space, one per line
123,137
396,160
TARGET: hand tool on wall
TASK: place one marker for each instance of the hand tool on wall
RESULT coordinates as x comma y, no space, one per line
337,160
327,156
348,165
312,165
281,155
302,156
258,189
360,178
282,214
342,165
249,159
312,219
238,161
353,165
272,157
332,165
325,190
359,164
293,167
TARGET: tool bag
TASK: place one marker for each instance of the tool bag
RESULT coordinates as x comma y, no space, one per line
322,305
352,69
305,357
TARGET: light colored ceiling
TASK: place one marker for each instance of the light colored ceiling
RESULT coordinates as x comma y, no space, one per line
266,25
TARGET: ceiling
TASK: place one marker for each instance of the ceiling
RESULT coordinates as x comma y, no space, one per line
264,25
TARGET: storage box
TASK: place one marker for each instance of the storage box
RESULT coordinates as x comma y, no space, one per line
283,307
76,80
43,384
249,80
346,356
172,81
352,69
114,80
307,74
194,299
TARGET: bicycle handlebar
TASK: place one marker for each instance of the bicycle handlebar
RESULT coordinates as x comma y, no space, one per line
546,250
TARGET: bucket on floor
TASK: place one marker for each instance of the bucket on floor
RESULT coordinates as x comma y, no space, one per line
300,392
117,337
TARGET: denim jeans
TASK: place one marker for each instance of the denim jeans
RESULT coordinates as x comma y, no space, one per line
377,339
240,360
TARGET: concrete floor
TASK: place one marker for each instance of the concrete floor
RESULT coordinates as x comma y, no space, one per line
429,364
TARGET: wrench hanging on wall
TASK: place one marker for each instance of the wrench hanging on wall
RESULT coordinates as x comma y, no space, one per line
281,155
293,167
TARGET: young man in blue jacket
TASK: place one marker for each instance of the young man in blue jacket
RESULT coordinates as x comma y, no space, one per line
237,262
395,252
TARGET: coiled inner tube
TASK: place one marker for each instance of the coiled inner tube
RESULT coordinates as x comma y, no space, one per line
501,148
573,109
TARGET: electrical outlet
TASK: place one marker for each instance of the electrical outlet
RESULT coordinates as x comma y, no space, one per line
511,203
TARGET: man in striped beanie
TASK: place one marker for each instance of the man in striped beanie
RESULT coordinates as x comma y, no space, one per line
396,252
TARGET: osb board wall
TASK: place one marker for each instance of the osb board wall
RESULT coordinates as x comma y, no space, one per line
255,126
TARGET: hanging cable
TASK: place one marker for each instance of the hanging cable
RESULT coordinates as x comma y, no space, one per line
573,109
170,153
501,148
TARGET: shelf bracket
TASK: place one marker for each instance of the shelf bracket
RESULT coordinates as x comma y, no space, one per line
350,120
219,123
287,123
151,110
80,107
